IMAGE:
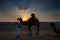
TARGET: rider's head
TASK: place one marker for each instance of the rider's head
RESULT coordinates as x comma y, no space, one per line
33,15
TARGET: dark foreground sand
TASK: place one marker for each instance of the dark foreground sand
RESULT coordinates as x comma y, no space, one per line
43,35
8,32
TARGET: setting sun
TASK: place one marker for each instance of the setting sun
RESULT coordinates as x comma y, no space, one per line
24,19
25,15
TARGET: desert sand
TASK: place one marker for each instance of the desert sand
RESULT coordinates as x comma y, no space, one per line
8,32
43,35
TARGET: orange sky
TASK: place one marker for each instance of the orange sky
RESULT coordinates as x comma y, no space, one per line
26,14
45,10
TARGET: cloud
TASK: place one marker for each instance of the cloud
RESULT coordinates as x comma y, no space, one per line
8,7
42,8
24,4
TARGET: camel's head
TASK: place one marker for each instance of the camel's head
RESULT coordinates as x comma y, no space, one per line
19,19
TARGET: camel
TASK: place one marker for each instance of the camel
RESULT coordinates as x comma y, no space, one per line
54,28
30,22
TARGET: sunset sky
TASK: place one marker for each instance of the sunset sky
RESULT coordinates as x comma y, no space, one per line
44,10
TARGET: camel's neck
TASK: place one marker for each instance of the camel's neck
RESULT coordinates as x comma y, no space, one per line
21,21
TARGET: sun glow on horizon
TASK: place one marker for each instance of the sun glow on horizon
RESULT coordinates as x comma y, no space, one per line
25,18
24,14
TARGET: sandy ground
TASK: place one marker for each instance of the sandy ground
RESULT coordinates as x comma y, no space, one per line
8,32
43,35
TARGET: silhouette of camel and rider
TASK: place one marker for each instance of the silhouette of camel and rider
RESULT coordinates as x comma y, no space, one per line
32,21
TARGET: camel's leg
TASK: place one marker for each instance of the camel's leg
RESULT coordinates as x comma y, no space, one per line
29,30
37,29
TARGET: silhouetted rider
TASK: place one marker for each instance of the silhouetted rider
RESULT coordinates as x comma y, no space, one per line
32,15
33,19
